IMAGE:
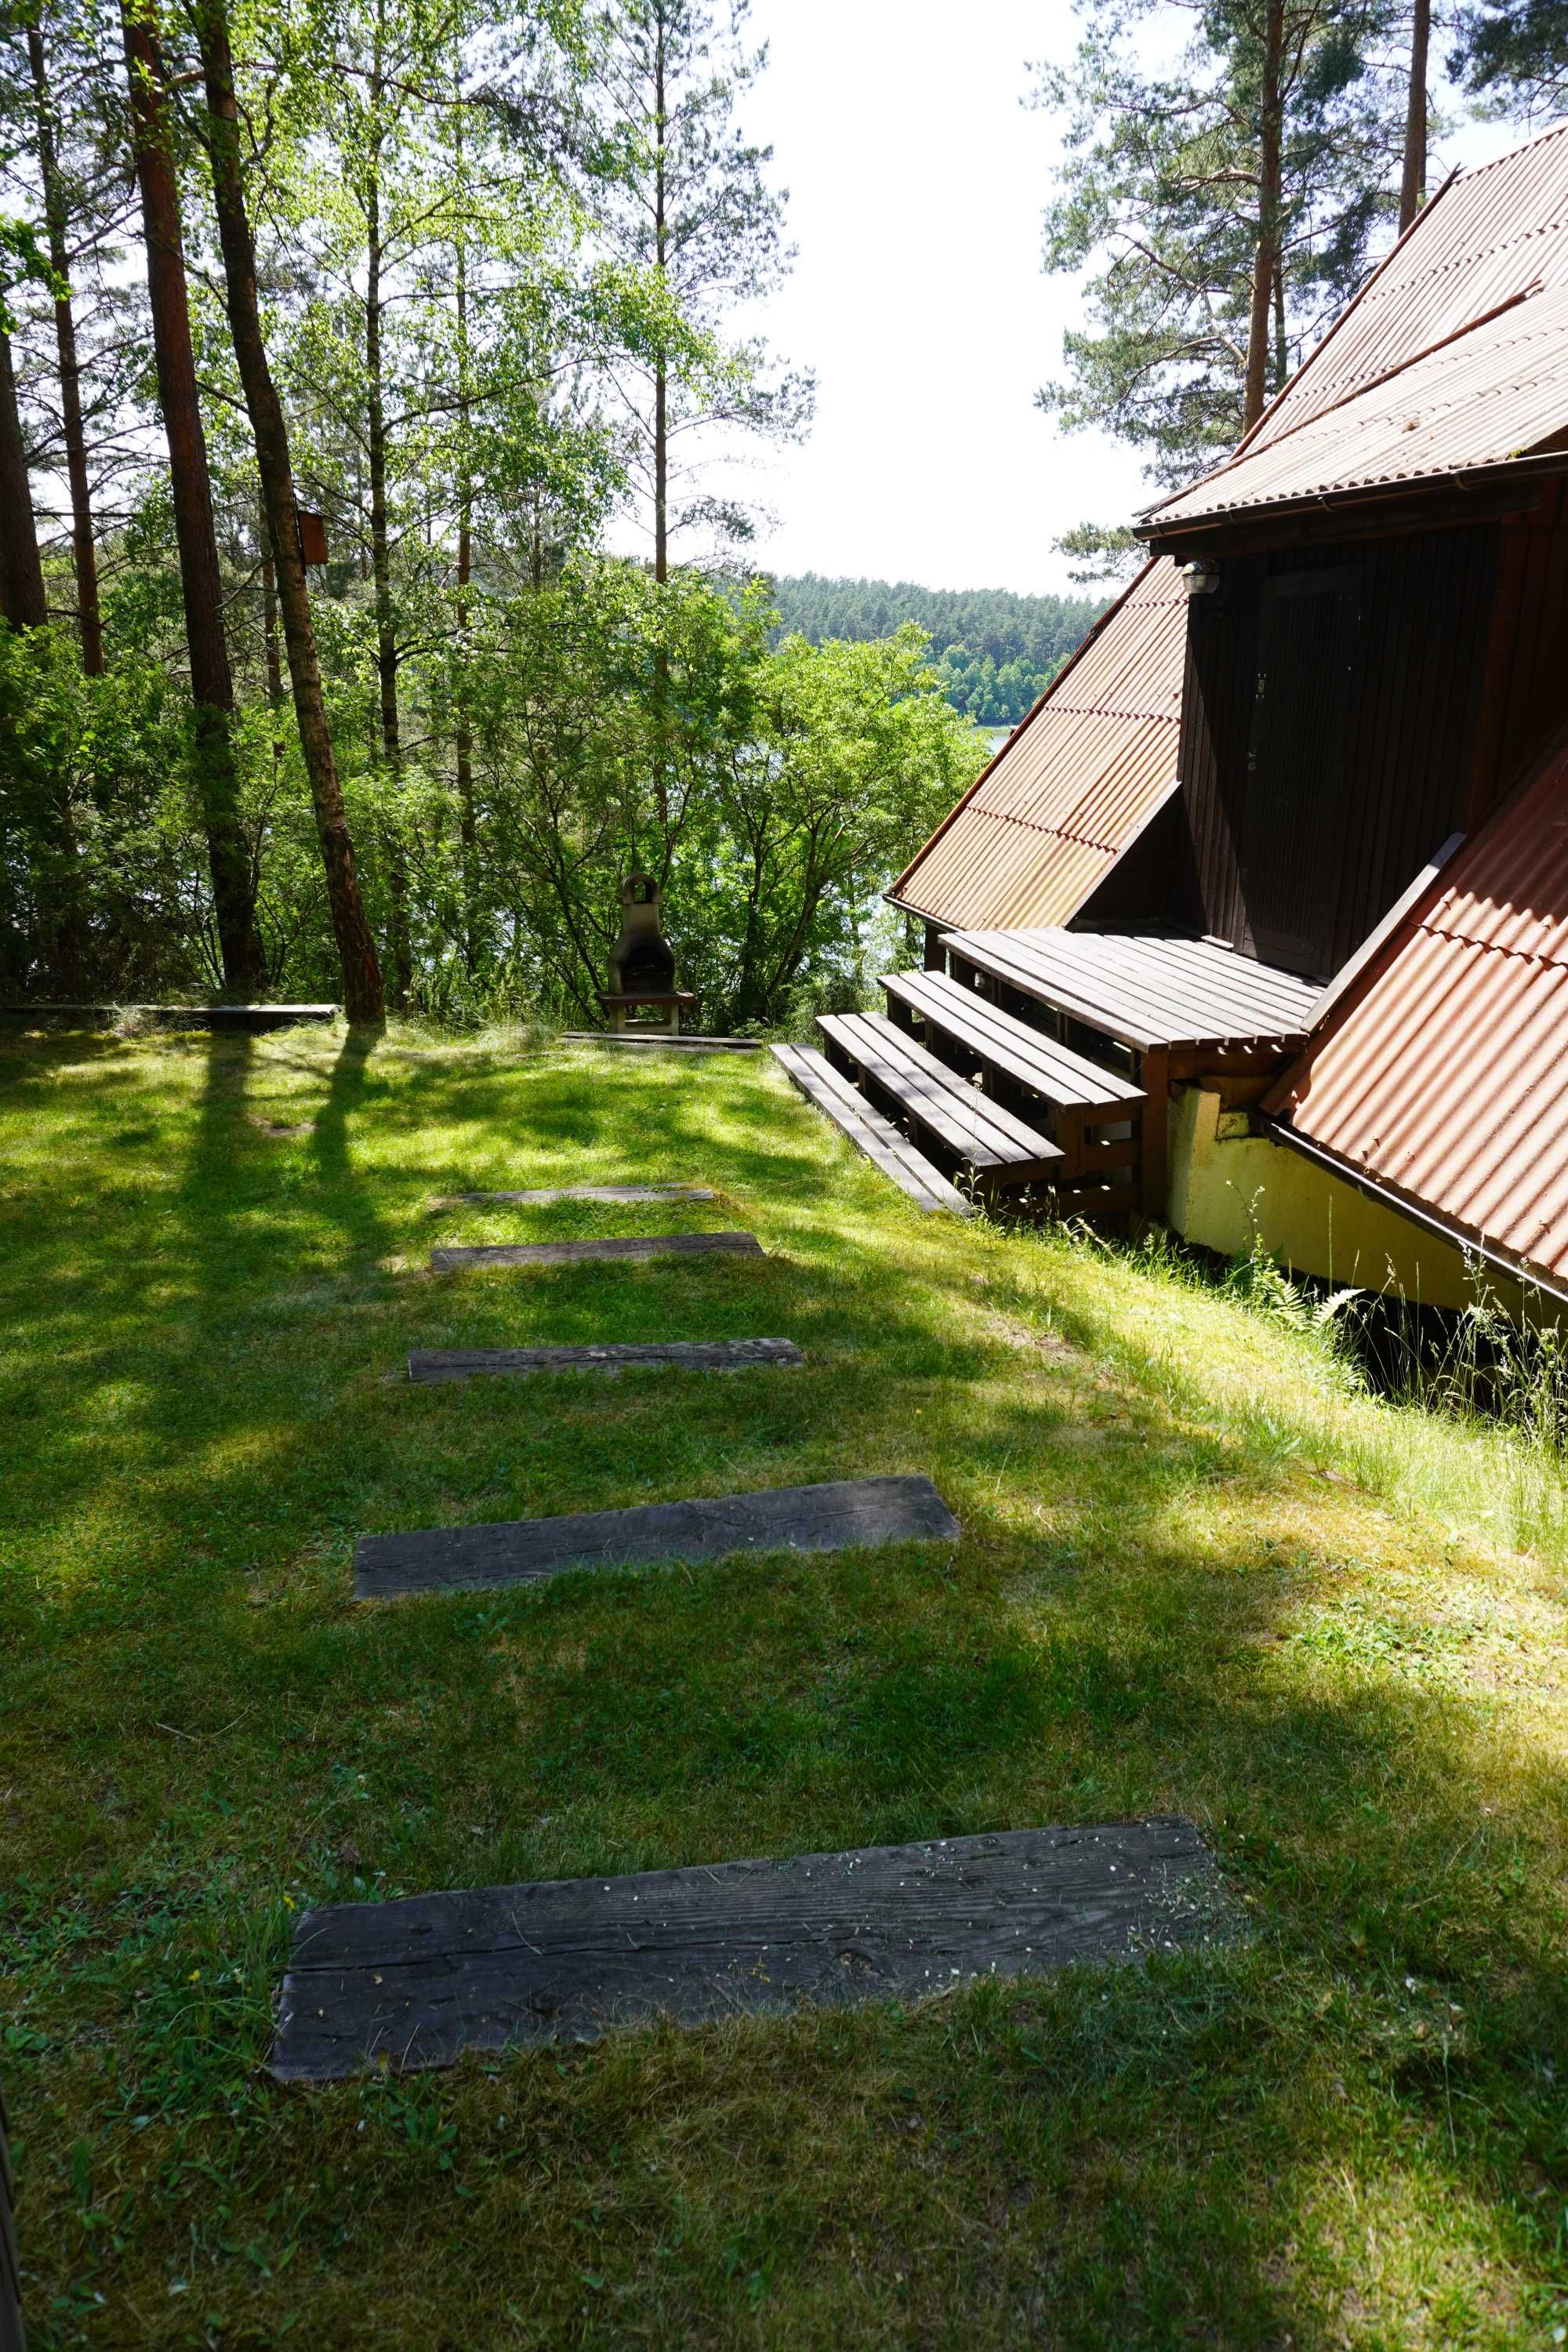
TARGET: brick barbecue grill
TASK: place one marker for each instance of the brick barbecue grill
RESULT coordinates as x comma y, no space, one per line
642,962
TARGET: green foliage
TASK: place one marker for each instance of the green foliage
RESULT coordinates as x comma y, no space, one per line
1161,198
994,653
1100,552
621,725
1514,54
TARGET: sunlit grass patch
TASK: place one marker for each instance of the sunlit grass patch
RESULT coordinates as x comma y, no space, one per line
1201,1570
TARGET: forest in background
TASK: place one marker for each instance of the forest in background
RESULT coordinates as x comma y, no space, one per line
336,336
340,339
996,652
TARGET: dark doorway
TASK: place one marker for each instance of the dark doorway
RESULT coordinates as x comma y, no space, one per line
1295,809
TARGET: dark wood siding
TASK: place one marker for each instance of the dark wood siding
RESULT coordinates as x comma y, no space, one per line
1525,698
1396,776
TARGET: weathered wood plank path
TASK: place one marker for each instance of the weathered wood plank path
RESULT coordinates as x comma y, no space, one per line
432,1366
451,1261
574,1192
414,1983
828,1518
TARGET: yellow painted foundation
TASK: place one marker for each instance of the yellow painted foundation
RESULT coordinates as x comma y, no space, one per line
1229,1187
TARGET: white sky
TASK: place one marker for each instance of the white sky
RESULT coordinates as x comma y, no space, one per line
917,181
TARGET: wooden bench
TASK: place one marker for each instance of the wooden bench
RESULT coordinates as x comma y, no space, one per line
1081,1098
991,1143
869,1132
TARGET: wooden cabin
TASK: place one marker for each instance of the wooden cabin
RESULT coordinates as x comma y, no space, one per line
1282,856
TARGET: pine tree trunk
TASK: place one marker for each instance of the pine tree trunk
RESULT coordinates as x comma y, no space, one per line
467,828
1413,184
22,599
1265,265
189,481
363,996
62,934
83,550
660,463
381,572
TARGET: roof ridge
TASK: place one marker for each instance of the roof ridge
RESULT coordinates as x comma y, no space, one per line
1542,138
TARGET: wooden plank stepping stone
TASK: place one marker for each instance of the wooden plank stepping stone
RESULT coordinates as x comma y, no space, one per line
434,1365
448,1261
414,1983
830,1518
574,1192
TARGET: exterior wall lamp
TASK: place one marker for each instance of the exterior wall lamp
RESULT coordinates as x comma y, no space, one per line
1201,577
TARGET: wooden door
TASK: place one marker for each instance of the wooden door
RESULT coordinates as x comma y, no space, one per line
1293,818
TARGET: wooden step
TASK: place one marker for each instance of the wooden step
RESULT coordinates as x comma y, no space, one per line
547,1192
414,1983
982,1135
869,1132
837,1515
1067,1080
633,1245
432,1367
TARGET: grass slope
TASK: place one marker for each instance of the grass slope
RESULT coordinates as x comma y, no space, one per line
1196,1575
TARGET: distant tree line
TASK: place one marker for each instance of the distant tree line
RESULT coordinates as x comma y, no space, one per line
994,653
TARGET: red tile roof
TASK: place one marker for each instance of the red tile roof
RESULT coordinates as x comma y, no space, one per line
1445,1080
1072,785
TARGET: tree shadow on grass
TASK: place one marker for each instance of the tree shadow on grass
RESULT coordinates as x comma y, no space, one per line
1155,2157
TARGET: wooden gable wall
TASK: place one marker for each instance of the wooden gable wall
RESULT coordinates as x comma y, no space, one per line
1397,775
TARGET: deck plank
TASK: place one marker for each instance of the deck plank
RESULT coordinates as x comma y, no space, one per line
831,1516
432,1367
414,1983
1068,1081
982,1133
1149,992
630,1246
864,1125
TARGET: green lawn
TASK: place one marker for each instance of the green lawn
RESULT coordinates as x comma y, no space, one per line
1197,1574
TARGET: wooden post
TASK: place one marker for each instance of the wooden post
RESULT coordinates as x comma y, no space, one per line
1154,1077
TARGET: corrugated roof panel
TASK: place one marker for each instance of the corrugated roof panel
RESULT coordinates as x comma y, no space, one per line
1497,393
1495,231
1072,785
1449,1079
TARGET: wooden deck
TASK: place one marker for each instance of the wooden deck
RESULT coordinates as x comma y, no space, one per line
1151,994
993,1144
1093,1115
869,1132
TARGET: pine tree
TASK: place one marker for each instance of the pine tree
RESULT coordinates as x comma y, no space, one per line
1225,208
690,205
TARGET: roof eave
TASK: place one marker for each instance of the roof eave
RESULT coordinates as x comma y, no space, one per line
1259,521
1462,1237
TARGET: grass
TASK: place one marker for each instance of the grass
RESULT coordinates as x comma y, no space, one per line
1198,1573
